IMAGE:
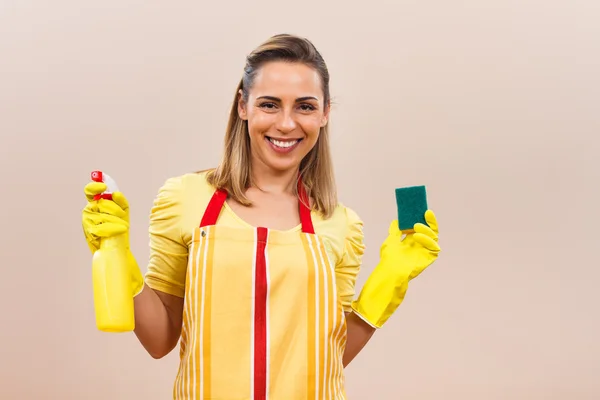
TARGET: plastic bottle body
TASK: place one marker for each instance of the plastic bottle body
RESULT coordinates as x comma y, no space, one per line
113,299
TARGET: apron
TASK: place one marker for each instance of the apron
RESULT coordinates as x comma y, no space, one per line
262,318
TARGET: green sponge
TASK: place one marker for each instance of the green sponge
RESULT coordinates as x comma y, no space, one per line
412,204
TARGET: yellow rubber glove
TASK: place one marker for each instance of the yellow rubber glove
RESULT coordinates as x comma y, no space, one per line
108,218
401,260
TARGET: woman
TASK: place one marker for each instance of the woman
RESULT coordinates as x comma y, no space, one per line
253,264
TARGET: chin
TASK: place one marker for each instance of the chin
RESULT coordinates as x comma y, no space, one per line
283,165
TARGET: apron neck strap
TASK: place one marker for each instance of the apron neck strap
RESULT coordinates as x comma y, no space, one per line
305,218
211,214
213,210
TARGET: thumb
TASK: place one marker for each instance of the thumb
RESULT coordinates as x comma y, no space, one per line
394,230
121,200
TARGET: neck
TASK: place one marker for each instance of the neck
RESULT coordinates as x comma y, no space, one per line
274,182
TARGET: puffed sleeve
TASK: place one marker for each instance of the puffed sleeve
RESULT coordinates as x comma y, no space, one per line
168,251
350,262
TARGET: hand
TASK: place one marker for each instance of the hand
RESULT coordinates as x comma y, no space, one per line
413,254
104,218
401,260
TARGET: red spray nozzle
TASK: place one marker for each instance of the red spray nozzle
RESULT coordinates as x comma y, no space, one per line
99,176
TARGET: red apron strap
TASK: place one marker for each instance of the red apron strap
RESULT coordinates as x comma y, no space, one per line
305,217
211,214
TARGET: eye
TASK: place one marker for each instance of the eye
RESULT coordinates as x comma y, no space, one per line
268,106
307,107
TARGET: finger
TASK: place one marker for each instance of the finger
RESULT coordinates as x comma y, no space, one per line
93,188
92,219
426,242
111,208
394,230
107,230
431,220
121,200
425,230
393,227
91,207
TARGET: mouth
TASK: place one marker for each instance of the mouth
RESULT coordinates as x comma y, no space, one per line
283,145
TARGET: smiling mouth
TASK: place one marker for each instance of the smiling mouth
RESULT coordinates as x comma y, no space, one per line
283,144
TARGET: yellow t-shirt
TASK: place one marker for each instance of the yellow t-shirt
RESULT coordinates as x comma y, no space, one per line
178,210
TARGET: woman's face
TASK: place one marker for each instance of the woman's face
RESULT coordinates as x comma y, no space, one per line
285,111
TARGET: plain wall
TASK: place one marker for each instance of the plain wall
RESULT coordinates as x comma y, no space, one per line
494,105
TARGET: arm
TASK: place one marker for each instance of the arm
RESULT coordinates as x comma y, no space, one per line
400,261
359,334
159,307
158,318
358,331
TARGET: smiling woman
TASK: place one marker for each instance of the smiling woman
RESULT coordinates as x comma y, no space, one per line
253,264
279,120
284,124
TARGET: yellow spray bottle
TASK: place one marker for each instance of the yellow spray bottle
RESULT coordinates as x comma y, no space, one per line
113,300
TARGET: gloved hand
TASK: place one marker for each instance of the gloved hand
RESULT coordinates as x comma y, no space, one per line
109,218
401,260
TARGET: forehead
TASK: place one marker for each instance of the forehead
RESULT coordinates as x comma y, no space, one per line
284,79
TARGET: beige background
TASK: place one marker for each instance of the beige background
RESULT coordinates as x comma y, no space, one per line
492,104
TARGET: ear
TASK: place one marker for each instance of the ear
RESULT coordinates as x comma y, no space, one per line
241,106
325,117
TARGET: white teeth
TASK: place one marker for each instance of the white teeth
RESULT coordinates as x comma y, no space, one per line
283,145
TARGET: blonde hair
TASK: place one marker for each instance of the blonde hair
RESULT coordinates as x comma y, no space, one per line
316,169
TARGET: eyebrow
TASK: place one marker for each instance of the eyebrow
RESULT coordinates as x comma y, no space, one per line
299,99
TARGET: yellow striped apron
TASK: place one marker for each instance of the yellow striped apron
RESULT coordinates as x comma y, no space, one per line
262,319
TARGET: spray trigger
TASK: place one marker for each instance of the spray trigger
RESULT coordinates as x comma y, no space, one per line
111,185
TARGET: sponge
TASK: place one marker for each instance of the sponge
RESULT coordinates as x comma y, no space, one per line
412,204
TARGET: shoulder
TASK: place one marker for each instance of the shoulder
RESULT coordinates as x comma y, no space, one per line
191,184
182,191
179,204
340,222
343,230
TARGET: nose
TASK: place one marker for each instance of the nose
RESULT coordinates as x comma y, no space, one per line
286,122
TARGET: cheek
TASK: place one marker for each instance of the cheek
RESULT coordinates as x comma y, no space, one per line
311,125
259,123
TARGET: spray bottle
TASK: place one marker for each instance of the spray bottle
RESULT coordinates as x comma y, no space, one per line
113,300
